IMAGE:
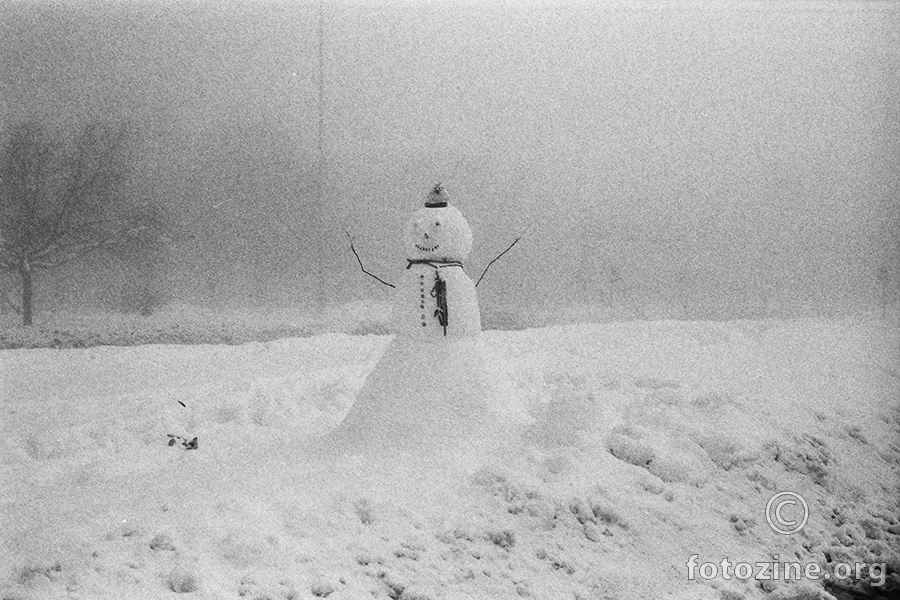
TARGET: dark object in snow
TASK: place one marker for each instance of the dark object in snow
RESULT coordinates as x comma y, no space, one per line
183,581
182,403
506,539
162,541
192,444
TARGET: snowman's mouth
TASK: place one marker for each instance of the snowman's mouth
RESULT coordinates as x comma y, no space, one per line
427,248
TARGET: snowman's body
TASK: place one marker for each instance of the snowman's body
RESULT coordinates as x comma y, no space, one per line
436,380
417,302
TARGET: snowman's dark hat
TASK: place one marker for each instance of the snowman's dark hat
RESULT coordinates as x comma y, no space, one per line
437,197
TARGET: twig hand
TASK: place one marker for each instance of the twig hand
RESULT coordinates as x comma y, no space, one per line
515,241
349,237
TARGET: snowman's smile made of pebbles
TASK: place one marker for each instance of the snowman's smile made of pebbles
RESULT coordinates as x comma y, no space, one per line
426,232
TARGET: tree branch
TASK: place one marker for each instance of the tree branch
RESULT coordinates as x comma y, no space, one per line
361,265
92,171
80,247
77,252
515,241
75,192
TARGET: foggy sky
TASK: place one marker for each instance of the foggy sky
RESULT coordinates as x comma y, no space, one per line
744,153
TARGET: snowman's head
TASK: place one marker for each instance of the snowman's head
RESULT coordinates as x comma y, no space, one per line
438,233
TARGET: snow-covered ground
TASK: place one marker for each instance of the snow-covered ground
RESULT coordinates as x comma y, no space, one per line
652,442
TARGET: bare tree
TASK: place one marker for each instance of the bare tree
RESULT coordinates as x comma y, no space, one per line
60,202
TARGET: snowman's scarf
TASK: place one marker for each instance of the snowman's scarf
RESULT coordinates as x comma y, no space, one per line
439,291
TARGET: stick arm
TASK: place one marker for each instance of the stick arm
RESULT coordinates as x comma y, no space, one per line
359,260
496,258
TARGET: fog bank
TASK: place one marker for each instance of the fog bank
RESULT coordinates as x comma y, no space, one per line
728,160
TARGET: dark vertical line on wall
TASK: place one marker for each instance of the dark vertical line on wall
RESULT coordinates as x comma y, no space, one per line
321,295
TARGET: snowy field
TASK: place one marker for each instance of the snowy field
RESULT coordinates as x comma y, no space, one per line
652,442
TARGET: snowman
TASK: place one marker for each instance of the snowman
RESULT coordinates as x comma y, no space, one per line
436,383
436,297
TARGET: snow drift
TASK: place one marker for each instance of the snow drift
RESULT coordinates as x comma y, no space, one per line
652,442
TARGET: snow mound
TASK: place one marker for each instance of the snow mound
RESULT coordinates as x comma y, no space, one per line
668,457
